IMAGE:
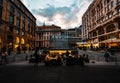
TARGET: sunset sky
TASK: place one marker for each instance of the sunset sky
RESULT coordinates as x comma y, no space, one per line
63,13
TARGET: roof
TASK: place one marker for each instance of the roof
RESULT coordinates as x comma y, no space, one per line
48,26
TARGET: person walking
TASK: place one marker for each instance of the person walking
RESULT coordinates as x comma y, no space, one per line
36,55
107,56
4,57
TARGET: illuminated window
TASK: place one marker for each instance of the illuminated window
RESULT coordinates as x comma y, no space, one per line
119,35
17,40
22,41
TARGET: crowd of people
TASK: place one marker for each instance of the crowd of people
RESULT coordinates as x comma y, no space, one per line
58,59
68,58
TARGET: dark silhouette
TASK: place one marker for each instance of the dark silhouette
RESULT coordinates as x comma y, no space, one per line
107,55
36,55
9,51
32,59
86,58
67,53
4,57
81,60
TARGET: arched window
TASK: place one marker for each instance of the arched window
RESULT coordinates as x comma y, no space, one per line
100,31
17,40
119,24
110,28
94,33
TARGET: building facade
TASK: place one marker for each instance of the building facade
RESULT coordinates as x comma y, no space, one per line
59,42
101,24
17,25
74,36
44,33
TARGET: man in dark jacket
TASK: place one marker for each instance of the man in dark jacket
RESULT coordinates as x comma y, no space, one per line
106,55
36,55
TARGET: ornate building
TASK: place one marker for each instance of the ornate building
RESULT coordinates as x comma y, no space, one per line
17,25
44,33
101,23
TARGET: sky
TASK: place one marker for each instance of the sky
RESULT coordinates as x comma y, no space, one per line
63,13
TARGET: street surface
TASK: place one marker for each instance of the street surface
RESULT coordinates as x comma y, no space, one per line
24,72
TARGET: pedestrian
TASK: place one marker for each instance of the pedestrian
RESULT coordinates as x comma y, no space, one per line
26,53
36,55
86,58
67,53
107,55
9,51
81,60
4,57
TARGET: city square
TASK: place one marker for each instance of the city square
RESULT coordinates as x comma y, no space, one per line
60,41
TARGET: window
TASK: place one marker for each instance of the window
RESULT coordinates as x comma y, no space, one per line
0,39
108,1
1,1
118,10
109,15
23,33
12,0
113,13
0,13
110,28
100,31
119,24
106,17
18,14
12,10
109,7
18,22
19,5
23,25
94,33
17,31
11,29
118,1
28,26
11,19
112,4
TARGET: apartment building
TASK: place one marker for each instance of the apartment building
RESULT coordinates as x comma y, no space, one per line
101,24
44,33
17,25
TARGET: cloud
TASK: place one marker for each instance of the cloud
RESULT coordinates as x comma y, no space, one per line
50,11
25,2
67,14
